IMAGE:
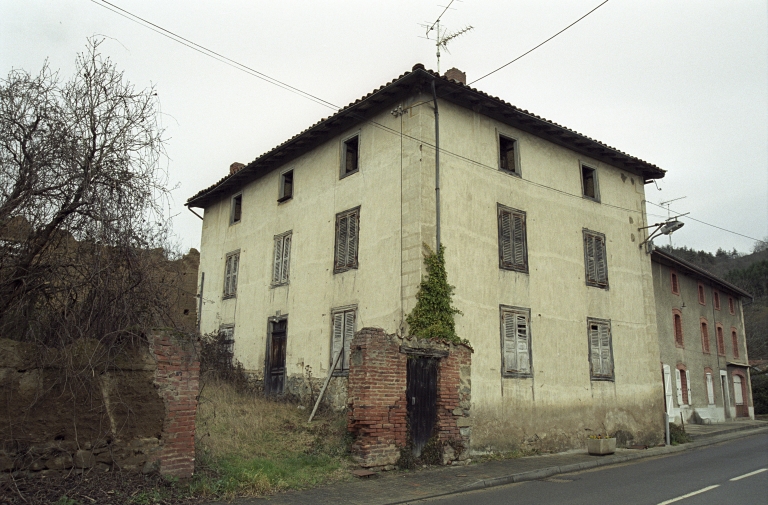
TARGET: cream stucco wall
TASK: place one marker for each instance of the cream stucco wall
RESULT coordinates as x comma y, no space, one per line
395,189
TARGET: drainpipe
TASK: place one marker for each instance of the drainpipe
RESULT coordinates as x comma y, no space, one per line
437,167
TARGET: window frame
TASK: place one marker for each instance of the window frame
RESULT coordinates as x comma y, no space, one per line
674,280
702,295
229,290
349,263
607,324
677,330
342,368
597,282
282,196
236,217
517,372
343,165
731,306
716,299
516,154
281,266
683,379
583,166
704,326
735,342
720,339
229,354
518,266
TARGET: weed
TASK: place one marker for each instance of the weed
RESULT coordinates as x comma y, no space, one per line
677,435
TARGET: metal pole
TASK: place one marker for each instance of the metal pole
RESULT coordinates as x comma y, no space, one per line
666,425
327,380
437,167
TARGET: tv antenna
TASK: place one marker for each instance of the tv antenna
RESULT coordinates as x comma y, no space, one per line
441,36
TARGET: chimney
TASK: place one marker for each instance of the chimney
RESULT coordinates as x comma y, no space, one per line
455,74
235,167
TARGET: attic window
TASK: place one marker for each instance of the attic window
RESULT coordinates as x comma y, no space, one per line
286,186
236,210
508,155
350,156
589,183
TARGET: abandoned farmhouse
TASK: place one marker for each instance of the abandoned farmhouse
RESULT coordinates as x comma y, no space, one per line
567,316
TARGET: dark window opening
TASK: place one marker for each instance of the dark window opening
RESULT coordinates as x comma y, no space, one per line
351,152
237,208
286,186
507,160
589,182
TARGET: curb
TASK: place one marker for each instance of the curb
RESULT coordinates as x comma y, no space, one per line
543,473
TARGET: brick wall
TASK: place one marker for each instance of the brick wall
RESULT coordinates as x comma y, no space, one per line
177,378
378,416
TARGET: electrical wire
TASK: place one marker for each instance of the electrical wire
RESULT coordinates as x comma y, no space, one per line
538,46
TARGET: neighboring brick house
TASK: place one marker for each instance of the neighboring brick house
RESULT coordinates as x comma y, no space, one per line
322,236
701,341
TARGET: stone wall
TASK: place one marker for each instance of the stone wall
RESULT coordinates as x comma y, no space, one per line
378,414
83,409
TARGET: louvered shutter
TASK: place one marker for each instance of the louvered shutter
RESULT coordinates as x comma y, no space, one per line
338,338
349,333
589,243
523,364
286,259
341,241
519,240
710,390
505,236
352,220
601,267
688,386
510,346
605,350
668,387
227,274
679,387
235,265
594,345
278,263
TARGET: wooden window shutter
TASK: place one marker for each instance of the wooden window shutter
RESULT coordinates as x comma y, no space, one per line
227,274
505,237
342,222
522,354
338,339
688,396
278,263
605,351
512,243
286,259
601,266
510,344
594,344
679,387
589,244
518,239
235,266
352,227
667,386
349,334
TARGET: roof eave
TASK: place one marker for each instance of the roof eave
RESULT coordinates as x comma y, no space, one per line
669,258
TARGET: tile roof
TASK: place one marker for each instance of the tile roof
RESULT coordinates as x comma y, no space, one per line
665,258
448,89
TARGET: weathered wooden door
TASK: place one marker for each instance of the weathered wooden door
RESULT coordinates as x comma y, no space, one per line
275,369
740,396
421,392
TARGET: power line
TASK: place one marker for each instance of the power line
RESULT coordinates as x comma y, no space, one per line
538,46
709,224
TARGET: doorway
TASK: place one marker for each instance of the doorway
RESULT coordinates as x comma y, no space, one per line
274,373
421,394
740,395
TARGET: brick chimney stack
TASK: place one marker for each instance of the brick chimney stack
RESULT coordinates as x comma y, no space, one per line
456,75
235,167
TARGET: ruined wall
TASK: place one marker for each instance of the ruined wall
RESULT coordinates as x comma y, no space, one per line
83,409
378,414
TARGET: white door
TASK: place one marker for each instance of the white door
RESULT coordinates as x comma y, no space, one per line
737,395
668,387
710,390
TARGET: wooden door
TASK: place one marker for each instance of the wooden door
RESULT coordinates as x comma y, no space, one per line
421,393
740,396
275,369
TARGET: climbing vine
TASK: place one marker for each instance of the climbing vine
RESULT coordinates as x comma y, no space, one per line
432,317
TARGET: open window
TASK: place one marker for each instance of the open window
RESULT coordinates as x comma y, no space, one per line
589,183
286,186
236,209
508,159
350,155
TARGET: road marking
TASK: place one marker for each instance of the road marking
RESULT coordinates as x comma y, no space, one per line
750,474
673,500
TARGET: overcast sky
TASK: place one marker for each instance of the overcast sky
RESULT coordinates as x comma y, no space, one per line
681,84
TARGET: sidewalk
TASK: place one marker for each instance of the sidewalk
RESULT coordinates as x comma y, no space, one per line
388,488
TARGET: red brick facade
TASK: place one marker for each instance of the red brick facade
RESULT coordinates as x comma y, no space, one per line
177,378
378,415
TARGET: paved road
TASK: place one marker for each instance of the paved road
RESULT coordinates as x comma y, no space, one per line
732,472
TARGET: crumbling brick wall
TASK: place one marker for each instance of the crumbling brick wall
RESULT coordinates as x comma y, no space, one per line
133,413
378,413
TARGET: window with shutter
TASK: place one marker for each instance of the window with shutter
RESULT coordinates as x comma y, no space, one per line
282,259
710,388
230,274
704,336
702,298
731,308
595,259
513,249
600,349
720,340
347,240
679,376
342,333
735,343
716,299
738,395
515,342
226,345
687,392
675,283
677,319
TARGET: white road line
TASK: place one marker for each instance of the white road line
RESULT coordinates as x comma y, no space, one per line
673,500
750,474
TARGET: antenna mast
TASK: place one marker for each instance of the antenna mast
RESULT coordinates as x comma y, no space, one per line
441,38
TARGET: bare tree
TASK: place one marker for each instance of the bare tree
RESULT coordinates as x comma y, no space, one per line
83,205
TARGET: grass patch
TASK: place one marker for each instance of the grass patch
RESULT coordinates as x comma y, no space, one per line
251,446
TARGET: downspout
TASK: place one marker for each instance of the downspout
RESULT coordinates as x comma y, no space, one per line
437,167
